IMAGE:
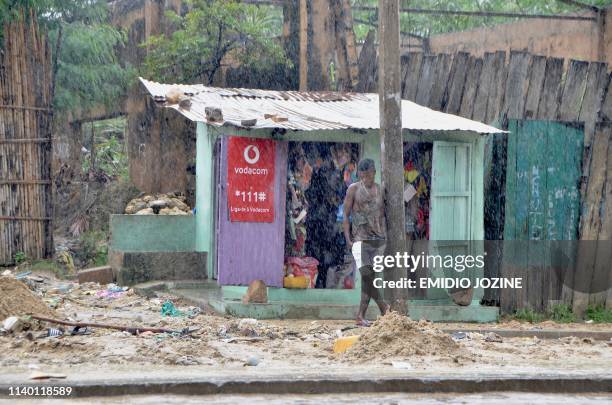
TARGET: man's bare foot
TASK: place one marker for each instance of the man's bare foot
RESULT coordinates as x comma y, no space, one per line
362,322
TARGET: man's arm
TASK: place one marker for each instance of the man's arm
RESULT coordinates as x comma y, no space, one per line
348,208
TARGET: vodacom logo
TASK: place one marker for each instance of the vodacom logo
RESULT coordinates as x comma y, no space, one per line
247,154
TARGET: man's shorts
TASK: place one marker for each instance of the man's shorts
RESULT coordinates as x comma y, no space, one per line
364,251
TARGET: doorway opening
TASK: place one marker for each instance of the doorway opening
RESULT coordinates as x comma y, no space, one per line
318,176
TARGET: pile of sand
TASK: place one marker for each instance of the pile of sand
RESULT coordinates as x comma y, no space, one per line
16,300
397,336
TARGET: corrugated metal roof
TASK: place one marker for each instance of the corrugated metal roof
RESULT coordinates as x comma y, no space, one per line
304,111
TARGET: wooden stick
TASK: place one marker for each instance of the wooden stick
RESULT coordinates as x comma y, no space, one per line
131,329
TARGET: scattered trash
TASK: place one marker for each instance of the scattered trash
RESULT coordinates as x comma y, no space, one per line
587,340
252,361
168,309
109,294
402,365
78,330
45,376
589,321
12,324
22,275
187,361
7,273
342,344
493,337
54,332
111,291
459,335
36,279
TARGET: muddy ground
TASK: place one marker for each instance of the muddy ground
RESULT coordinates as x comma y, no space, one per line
218,342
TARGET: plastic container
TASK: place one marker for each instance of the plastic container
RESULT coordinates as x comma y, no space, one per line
296,282
303,266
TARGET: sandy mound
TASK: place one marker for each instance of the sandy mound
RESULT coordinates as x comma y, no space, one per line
397,336
16,299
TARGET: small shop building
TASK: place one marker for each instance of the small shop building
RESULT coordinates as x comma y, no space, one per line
254,148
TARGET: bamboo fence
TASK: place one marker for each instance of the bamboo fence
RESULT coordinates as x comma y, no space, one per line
25,142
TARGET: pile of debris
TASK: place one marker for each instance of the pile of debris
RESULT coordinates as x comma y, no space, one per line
17,300
161,204
395,336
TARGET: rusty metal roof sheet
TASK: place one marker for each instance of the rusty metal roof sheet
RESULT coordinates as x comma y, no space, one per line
304,111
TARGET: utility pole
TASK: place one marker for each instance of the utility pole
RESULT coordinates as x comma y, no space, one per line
303,67
391,142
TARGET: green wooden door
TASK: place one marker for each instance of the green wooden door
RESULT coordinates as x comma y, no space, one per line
544,161
543,181
451,192
451,202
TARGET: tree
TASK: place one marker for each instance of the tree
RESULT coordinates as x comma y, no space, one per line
84,44
209,33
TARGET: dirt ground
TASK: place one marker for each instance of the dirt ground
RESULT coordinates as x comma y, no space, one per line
274,346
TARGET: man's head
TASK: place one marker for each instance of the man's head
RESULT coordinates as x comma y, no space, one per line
366,172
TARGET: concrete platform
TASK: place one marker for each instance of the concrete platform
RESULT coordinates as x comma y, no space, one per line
335,309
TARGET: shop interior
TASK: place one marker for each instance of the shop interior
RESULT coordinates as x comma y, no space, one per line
318,176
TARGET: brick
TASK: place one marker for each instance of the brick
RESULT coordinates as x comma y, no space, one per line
102,275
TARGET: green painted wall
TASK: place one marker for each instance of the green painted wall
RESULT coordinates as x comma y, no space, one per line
205,193
152,233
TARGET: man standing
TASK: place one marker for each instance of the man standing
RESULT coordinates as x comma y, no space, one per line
364,203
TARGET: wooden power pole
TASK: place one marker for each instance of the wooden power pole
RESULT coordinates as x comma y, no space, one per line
303,67
391,142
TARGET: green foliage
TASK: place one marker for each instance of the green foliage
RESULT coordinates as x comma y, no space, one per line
20,257
210,31
111,156
599,314
426,24
88,72
562,313
93,248
528,315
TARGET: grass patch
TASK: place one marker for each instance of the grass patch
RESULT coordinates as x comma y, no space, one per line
599,314
529,315
48,265
562,313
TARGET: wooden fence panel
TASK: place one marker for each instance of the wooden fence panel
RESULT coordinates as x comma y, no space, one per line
411,79
498,85
517,85
484,87
440,81
547,108
573,91
425,82
536,85
25,143
456,83
472,80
